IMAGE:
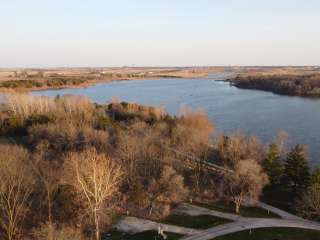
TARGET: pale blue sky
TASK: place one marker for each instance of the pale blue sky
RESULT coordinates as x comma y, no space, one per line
53,33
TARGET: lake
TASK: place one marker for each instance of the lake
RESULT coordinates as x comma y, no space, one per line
255,112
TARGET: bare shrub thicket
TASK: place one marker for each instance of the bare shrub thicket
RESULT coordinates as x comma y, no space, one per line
155,199
168,189
85,157
237,147
58,233
192,130
129,111
48,174
67,107
68,137
191,140
23,105
16,186
141,150
309,205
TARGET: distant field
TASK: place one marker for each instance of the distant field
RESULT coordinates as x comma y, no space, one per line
37,79
31,79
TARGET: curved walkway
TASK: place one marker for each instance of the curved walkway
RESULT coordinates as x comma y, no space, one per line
243,223
193,210
135,225
281,213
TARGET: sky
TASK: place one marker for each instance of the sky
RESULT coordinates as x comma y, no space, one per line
93,33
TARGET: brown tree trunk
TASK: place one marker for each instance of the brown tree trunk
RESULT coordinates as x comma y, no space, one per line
151,208
50,233
237,207
96,221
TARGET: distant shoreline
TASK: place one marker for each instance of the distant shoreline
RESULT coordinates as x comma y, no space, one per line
306,86
84,80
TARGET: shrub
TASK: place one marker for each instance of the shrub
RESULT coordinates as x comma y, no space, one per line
55,233
21,84
13,125
68,137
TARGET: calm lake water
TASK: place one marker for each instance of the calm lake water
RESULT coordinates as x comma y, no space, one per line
255,112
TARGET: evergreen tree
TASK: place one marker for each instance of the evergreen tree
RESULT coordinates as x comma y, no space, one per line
273,165
297,172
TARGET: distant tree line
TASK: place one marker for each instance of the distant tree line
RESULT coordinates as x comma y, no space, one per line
48,82
300,85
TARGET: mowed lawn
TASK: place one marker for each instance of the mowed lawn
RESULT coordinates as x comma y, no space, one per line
4,140
152,235
196,222
13,140
273,234
254,212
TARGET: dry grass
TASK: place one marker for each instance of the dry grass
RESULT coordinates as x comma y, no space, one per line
66,107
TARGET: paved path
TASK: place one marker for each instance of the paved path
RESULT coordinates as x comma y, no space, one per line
251,224
243,223
279,212
135,225
196,211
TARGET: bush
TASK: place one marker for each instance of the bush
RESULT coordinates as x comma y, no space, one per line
129,111
20,84
68,137
59,82
63,233
14,125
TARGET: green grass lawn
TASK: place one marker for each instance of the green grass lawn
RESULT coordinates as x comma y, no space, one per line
116,235
13,140
4,140
279,197
196,222
244,211
273,234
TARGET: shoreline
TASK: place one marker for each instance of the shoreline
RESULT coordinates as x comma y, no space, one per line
89,83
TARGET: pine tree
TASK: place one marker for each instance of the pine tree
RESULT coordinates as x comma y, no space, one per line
273,165
297,172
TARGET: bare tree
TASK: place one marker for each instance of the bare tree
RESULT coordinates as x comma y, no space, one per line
140,151
192,130
238,147
169,188
96,178
48,173
282,142
246,183
16,185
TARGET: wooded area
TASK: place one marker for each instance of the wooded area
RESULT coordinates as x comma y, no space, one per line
78,165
